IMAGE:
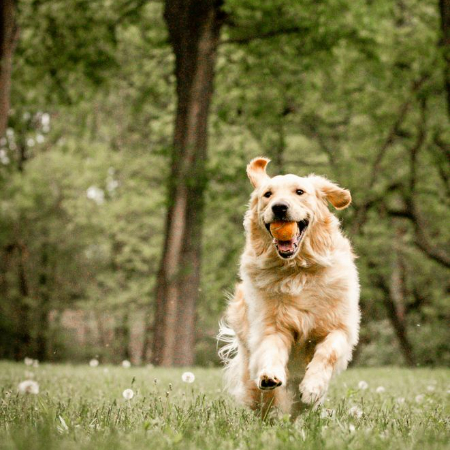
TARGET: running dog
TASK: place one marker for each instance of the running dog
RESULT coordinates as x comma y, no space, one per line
293,321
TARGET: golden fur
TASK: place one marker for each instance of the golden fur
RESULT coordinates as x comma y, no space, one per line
292,323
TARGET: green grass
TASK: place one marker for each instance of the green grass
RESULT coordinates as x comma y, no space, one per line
80,407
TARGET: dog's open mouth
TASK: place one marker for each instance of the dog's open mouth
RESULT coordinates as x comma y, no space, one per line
288,249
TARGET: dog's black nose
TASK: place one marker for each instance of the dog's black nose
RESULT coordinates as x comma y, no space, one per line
280,209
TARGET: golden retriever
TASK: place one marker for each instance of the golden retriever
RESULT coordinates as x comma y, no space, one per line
294,319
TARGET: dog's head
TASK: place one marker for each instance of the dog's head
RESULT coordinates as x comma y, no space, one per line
292,199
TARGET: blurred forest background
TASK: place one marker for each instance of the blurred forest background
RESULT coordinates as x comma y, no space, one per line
125,130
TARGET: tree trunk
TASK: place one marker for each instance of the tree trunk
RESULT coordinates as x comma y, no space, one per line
394,300
444,7
194,28
8,38
43,310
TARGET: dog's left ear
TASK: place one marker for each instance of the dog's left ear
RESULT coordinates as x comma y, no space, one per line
340,198
256,171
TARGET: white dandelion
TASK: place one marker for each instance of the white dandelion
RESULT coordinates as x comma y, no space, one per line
128,394
29,374
430,388
380,390
93,362
29,387
363,385
126,364
35,363
356,412
400,400
28,361
188,377
351,428
419,398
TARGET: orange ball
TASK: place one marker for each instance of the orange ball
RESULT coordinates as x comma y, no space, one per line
283,231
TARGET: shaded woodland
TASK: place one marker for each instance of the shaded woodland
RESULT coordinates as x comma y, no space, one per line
125,129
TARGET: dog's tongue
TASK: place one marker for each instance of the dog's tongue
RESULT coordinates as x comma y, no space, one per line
286,246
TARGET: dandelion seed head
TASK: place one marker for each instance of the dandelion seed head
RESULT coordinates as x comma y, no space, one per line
363,385
419,398
188,377
35,363
29,387
128,394
400,400
126,364
356,412
94,362
28,361
380,390
430,388
351,428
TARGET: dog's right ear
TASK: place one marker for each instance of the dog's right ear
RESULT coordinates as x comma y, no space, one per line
256,171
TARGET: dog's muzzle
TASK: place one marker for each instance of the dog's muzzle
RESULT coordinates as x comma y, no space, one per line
289,249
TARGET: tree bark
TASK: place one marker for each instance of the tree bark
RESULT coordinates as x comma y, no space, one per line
444,8
194,29
395,302
8,38
43,310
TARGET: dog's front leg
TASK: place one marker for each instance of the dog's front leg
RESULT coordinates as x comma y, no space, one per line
268,361
331,355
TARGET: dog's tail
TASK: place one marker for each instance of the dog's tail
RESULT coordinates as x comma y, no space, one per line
228,337
231,358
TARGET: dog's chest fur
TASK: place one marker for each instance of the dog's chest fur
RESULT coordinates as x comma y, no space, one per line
301,304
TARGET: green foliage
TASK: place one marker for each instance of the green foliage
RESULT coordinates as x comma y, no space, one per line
317,86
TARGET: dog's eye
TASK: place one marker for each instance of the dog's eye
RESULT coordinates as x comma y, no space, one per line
299,192
267,194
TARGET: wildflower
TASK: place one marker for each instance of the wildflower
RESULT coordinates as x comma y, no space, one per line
363,385
28,361
128,394
105,370
351,428
419,398
126,364
430,388
355,412
35,363
188,377
400,400
29,374
93,362
380,390
29,387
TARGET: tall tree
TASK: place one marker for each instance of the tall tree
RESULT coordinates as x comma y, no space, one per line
444,8
194,29
8,38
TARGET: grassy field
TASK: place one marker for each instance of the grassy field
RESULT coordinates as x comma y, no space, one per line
80,407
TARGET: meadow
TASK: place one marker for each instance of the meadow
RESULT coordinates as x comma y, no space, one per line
83,407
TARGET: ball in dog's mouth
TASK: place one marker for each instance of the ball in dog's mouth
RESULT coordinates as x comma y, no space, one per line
287,248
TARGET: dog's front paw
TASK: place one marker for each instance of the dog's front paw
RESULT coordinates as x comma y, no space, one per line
268,380
266,383
313,390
